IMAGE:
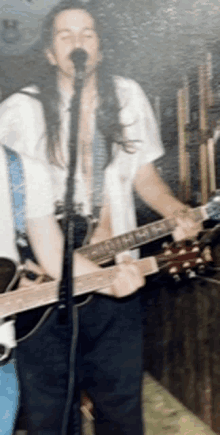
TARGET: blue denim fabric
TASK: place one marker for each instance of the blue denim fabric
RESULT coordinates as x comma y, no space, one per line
9,394
108,366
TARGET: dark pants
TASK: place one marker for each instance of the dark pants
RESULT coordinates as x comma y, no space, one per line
108,366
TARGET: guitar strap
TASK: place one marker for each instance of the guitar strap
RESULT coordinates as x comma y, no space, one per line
99,163
17,189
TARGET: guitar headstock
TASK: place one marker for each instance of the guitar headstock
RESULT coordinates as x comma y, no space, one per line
184,260
213,206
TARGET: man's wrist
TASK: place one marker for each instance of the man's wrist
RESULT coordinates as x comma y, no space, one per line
181,212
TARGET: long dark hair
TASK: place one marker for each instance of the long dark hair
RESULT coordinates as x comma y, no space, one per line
108,111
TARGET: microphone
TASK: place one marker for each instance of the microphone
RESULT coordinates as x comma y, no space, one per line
79,57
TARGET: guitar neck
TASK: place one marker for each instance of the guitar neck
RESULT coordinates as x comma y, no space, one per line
39,295
106,250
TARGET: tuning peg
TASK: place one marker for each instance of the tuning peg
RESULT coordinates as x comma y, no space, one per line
195,248
178,245
207,254
173,271
176,277
190,274
201,269
182,251
166,247
195,242
186,265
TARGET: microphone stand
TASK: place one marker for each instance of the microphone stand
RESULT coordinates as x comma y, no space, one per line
66,289
67,310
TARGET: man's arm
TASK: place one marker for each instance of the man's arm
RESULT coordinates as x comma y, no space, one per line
47,242
157,194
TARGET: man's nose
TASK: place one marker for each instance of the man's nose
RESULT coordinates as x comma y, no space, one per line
77,42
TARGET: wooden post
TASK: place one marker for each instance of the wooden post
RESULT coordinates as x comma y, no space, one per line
210,96
187,154
187,99
188,178
203,129
211,164
182,144
211,144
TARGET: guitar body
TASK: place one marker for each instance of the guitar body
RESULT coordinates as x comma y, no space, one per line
28,321
8,274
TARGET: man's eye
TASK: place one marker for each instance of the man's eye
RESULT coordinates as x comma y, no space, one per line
65,38
88,35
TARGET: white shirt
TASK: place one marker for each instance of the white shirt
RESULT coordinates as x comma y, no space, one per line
39,200
22,127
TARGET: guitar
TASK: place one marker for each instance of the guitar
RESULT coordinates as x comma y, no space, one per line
105,251
175,260
179,259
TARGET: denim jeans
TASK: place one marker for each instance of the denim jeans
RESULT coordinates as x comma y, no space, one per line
108,365
9,394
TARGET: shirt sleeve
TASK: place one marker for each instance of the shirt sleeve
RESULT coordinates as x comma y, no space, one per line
9,120
38,187
19,129
139,122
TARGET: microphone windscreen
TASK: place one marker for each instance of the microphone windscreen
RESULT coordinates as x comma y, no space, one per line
79,57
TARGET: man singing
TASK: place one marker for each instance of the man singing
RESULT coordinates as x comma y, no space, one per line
118,142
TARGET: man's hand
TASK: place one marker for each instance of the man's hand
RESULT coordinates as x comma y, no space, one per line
128,278
157,194
186,228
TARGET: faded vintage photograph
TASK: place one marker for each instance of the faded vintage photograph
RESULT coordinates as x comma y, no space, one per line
109,217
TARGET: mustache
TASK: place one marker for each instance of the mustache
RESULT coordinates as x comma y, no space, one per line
79,58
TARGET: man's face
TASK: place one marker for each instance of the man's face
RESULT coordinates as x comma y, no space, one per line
74,28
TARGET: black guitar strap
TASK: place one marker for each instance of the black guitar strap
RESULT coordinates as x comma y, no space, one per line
99,163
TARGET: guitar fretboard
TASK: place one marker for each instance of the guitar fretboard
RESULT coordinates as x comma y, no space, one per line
106,250
39,295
